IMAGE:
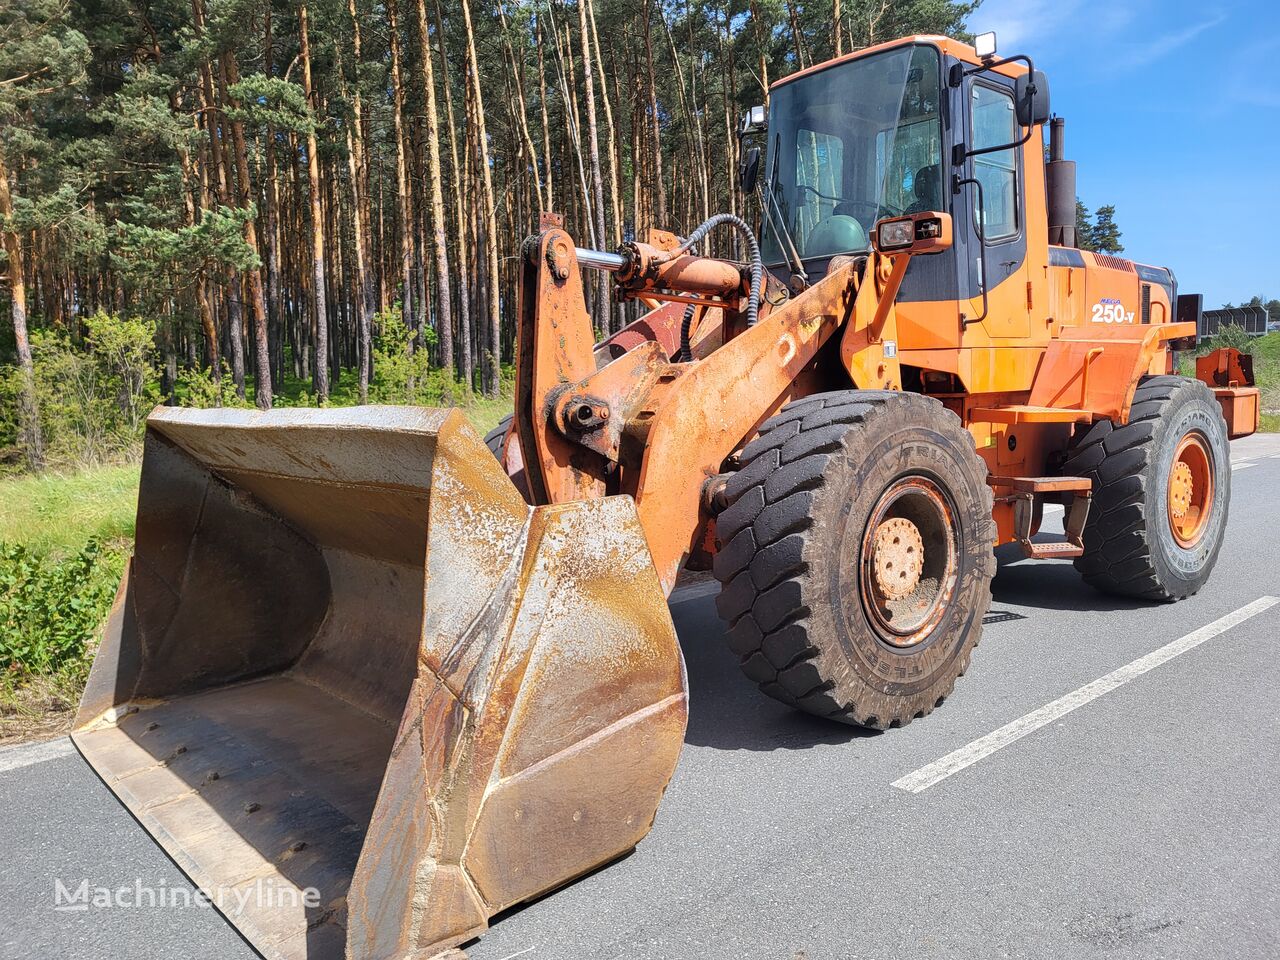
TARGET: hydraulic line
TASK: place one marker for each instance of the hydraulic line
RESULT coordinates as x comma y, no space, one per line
757,273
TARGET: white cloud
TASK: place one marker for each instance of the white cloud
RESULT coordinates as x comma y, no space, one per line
1144,53
1021,24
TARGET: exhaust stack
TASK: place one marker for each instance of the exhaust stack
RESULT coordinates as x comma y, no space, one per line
1060,182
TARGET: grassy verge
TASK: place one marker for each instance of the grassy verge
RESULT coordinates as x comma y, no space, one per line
57,514
63,544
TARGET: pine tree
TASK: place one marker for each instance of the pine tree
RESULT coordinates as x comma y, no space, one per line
257,179
1105,235
1084,226
40,56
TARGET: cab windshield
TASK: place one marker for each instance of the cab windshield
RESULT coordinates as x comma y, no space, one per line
849,145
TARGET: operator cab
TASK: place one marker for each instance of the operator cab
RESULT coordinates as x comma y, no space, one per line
906,129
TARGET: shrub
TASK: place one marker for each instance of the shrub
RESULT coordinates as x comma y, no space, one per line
50,609
93,399
1232,335
402,365
198,388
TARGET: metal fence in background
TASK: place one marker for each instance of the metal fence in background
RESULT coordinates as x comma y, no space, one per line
1252,319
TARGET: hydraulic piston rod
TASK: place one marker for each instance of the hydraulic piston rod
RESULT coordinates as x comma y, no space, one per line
600,259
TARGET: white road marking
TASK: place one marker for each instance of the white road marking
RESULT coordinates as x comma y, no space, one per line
1243,465
970,754
14,758
1053,508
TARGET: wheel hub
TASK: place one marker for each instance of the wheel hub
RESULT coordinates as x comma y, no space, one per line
909,561
897,557
1190,490
1181,488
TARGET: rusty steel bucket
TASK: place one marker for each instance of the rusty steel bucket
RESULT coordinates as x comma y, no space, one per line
362,693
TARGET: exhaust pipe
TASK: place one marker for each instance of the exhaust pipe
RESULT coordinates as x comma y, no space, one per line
1060,183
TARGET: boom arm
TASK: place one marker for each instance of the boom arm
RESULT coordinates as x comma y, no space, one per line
640,424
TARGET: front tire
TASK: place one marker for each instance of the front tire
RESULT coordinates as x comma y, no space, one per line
1161,491
856,556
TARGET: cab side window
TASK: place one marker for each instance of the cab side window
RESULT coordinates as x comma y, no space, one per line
819,180
994,123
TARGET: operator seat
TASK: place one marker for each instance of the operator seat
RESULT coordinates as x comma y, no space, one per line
925,187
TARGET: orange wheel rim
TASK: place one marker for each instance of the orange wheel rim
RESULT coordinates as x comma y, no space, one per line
1190,493
909,561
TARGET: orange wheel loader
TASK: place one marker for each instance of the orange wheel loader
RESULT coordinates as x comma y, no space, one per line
369,682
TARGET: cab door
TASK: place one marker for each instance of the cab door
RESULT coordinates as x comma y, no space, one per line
995,196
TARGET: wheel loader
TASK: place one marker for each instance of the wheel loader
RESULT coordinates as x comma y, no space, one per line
380,680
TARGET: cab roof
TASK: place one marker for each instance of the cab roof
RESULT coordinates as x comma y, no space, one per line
955,48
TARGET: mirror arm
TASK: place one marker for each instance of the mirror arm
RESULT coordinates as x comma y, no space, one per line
960,158
980,230
958,71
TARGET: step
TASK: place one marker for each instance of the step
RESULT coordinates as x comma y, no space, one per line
1042,484
1025,413
1055,550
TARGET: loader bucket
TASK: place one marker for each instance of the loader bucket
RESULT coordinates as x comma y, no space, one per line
362,693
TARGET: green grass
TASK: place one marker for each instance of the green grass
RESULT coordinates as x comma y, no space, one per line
55,515
63,544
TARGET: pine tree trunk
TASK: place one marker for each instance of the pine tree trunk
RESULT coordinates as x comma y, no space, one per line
656,143
28,401
604,312
317,220
275,306
492,359
546,126
444,308
611,136
234,328
465,346
407,305
257,299
359,172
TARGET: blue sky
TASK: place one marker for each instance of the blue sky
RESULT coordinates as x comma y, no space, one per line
1173,115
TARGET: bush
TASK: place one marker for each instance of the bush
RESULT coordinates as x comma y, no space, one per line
198,388
50,609
93,399
1232,335
402,363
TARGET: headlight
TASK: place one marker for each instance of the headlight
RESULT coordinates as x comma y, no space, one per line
895,234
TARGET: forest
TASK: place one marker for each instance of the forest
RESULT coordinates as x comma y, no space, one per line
322,201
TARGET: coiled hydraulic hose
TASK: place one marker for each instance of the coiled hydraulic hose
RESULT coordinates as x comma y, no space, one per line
757,274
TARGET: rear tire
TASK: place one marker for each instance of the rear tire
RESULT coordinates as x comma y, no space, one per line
819,490
1138,540
496,437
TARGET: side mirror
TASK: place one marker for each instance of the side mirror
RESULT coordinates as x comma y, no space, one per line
916,233
753,121
1031,97
749,172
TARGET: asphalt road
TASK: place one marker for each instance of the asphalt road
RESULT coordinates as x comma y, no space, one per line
1134,818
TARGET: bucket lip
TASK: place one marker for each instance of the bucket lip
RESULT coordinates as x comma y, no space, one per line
427,420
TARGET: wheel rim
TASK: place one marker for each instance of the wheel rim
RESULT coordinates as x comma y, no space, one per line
908,561
1190,492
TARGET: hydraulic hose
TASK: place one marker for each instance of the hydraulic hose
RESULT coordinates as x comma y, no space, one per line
757,273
